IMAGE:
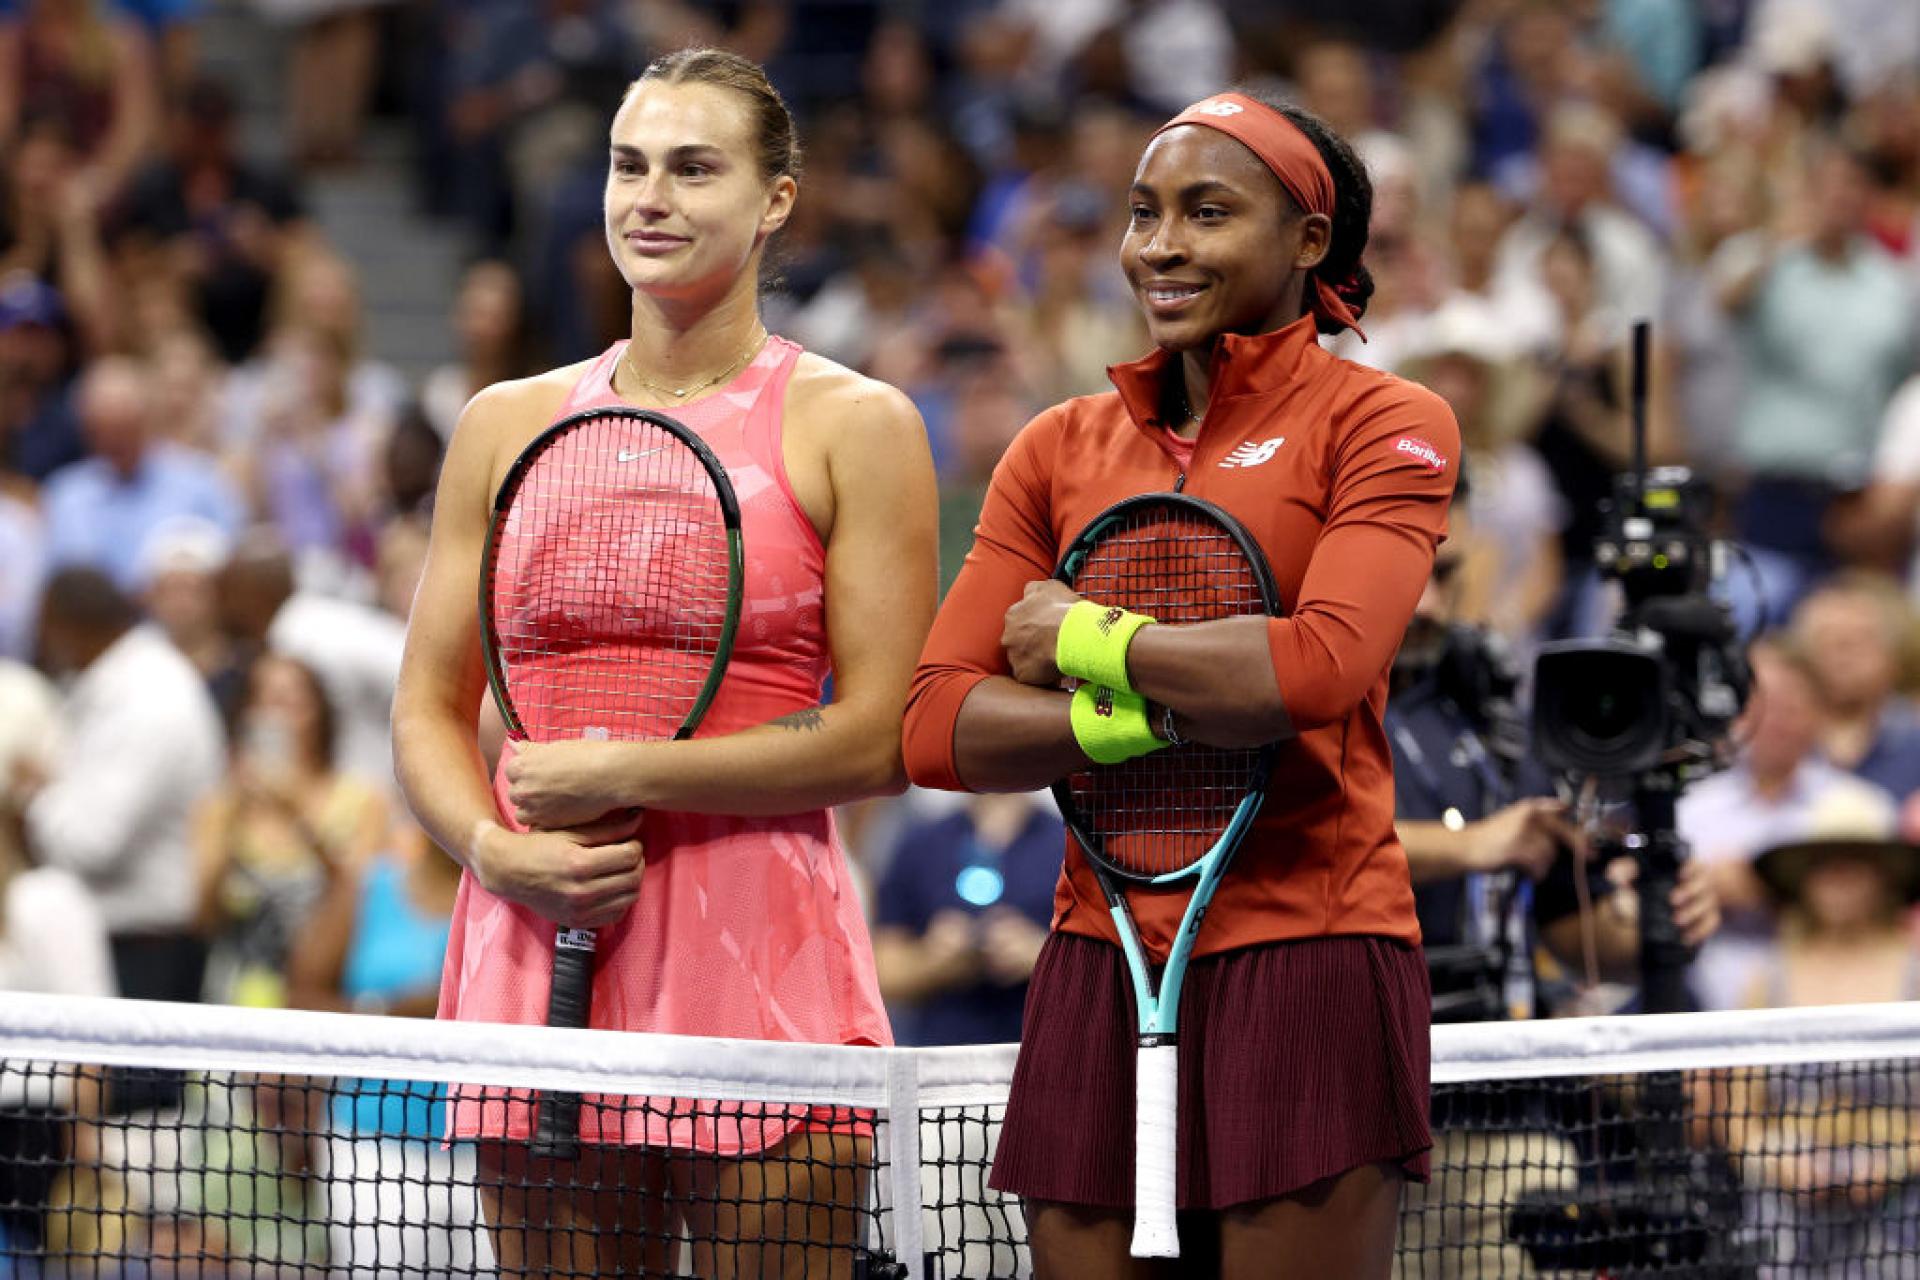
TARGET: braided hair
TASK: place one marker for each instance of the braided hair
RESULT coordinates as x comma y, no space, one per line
1352,207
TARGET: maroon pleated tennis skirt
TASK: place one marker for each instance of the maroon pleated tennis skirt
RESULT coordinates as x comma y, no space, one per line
1298,1061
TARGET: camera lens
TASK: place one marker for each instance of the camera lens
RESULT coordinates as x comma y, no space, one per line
1599,707
1603,715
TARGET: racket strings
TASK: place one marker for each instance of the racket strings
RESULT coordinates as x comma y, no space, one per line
1163,812
610,583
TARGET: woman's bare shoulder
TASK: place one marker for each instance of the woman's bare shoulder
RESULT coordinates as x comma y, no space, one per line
539,394
825,394
499,421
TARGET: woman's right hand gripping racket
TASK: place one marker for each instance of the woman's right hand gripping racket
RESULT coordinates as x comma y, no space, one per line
1172,818
609,596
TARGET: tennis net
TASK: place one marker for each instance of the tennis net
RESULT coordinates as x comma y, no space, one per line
150,1140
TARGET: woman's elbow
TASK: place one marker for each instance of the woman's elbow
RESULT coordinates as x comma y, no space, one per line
868,753
418,734
1271,718
887,771
403,732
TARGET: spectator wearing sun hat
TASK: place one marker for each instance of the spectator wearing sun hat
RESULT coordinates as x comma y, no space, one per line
1844,887
1768,797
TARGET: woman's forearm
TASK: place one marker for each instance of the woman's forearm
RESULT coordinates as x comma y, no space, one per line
437,760
813,758
1217,676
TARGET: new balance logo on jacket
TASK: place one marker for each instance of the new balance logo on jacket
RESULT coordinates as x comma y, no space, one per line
1252,454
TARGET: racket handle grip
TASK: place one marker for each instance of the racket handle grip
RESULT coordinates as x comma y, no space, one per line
1155,1111
571,995
556,1129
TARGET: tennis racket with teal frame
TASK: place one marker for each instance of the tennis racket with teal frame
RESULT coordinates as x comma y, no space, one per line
1173,819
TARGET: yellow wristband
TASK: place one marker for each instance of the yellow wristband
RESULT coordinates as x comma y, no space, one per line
1093,641
1111,725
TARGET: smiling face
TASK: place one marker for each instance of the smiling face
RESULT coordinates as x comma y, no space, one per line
1213,244
687,207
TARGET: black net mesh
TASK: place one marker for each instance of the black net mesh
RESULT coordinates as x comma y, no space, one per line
139,1172
1762,1171
968,1228
1720,1170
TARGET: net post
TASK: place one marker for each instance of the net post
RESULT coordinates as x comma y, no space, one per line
903,1159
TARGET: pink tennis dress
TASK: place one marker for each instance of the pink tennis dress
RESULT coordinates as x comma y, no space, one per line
745,927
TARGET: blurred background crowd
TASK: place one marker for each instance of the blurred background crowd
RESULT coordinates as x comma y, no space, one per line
256,254
224,394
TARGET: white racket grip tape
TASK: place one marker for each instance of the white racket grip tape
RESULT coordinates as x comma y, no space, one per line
1156,1084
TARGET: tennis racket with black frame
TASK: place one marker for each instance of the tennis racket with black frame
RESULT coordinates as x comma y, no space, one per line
1175,816
610,594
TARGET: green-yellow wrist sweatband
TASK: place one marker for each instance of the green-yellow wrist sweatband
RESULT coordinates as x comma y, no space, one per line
1092,644
1111,725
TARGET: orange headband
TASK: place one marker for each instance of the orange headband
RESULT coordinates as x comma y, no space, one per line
1292,157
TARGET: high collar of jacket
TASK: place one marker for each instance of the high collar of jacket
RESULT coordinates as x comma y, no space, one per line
1243,364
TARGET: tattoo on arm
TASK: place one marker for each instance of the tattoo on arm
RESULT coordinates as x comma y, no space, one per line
807,718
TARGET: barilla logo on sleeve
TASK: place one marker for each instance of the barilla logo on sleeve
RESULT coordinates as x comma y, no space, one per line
1425,452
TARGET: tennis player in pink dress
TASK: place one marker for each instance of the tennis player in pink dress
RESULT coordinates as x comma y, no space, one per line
725,908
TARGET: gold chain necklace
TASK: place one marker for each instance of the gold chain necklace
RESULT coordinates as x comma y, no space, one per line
681,393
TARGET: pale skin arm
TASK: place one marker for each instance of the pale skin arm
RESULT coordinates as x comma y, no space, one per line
880,587
1526,836
319,958
213,850
581,878
84,272
136,106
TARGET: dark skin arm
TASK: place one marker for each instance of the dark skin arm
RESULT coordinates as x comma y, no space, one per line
1013,734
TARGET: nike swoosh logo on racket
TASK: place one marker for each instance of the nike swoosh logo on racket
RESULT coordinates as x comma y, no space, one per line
624,456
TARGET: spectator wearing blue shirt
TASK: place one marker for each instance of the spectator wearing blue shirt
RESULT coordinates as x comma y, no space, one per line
100,511
961,912
1851,631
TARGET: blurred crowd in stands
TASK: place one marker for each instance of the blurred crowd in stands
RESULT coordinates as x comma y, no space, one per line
214,489
213,492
